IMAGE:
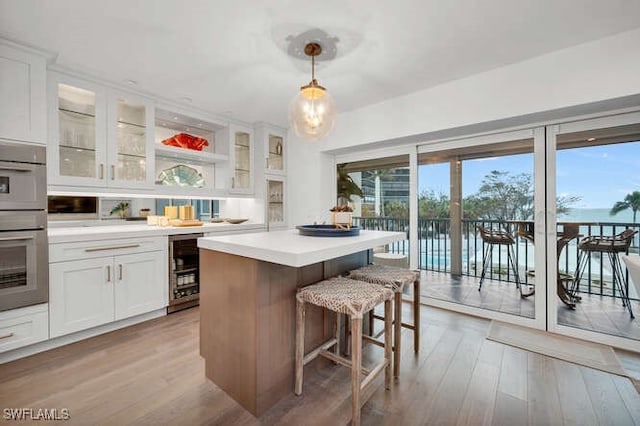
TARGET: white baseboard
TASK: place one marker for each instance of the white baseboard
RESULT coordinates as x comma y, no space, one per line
80,335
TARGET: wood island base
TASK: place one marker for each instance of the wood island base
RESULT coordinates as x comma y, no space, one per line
247,322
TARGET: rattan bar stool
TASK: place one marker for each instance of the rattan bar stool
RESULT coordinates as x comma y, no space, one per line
354,299
613,246
492,238
395,278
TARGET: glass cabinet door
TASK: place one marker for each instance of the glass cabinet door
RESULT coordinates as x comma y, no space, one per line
77,146
275,202
128,164
275,153
242,168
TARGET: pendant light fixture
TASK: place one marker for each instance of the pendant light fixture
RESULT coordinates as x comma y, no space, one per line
311,112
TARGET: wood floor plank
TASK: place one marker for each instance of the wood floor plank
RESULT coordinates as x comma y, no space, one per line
575,403
607,403
509,411
543,398
478,404
513,374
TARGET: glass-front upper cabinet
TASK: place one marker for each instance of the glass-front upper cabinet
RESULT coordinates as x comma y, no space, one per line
275,203
242,140
275,151
130,140
77,154
98,137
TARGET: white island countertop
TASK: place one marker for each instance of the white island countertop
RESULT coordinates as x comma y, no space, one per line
291,249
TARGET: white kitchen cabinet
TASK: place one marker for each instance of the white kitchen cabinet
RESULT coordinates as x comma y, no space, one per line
275,202
80,295
139,284
242,161
130,140
23,326
99,137
273,139
94,283
23,110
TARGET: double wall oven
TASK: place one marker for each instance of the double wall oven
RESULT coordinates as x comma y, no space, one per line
24,266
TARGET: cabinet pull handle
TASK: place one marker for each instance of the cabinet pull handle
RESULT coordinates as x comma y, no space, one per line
89,250
6,336
266,160
108,273
120,271
113,172
233,182
101,171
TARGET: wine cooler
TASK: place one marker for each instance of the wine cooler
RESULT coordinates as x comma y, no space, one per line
184,272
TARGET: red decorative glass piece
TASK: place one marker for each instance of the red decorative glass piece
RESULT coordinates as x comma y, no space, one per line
184,140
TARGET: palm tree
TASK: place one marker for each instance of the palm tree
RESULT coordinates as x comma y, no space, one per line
631,201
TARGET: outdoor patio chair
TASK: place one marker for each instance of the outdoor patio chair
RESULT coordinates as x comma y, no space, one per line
613,246
498,238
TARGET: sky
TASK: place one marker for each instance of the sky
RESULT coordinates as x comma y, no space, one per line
601,175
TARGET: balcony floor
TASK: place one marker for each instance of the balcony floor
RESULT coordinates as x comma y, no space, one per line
601,314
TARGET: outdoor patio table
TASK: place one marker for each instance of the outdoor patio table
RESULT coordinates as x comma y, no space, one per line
570,230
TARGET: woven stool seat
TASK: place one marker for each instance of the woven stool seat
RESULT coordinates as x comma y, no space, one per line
616,244
495,236
345,295
391,276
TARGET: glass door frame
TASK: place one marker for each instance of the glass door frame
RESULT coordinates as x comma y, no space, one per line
552,132
538,136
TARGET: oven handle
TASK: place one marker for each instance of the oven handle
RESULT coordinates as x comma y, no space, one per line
6,336
15,238
89,250
17,169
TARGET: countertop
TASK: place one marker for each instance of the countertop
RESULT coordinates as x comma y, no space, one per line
291,249
90,233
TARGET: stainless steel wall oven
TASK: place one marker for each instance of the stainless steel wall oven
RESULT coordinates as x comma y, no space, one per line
24,264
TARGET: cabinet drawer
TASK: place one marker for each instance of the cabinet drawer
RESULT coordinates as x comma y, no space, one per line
94,249
24,326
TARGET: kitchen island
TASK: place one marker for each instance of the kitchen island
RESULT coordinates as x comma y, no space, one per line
247,305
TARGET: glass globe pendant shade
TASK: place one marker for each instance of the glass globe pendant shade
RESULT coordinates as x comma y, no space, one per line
311,112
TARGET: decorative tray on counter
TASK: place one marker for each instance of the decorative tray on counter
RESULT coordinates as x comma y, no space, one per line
327,231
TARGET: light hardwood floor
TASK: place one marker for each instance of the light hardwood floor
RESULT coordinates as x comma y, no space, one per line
152,373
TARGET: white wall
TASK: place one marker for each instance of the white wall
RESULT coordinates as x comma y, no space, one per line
596,71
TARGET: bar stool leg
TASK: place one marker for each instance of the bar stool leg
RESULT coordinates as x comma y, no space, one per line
416,315
356,366
397,331
486,262
300,314
387,343
336,333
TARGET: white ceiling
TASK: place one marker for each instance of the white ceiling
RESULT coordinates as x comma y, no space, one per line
230,57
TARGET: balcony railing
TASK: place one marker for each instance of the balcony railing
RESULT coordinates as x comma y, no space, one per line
434,237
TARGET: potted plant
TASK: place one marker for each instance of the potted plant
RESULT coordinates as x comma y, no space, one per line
121,209
346,186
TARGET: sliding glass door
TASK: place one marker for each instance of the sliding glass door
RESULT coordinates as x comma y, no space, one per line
594,169
481,243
